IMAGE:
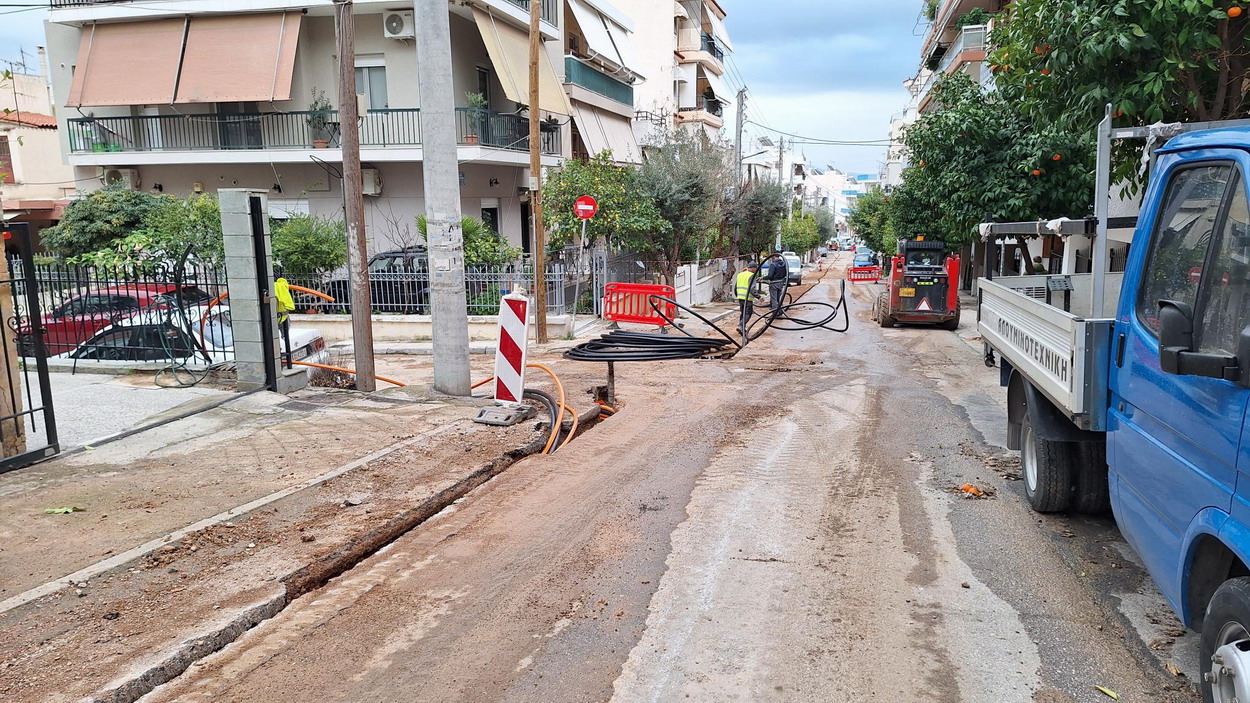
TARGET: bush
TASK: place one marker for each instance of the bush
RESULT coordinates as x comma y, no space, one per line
96,221
308,245
482,245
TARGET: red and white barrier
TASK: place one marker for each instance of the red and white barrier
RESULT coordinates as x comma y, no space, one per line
511,353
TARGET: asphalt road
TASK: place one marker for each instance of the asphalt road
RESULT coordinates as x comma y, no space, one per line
783,526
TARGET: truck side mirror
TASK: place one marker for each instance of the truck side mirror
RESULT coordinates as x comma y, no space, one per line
1176,343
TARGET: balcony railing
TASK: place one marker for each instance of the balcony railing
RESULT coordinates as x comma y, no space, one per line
300,129
971,38
549,11
710,105
596,81
708,44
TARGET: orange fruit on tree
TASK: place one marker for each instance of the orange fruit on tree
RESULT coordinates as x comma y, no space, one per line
1045,71
1037,172
1234,11
1057,157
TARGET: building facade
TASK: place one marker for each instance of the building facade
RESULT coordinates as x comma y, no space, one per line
35,184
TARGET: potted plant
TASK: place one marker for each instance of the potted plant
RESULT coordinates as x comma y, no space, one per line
319,110
477,115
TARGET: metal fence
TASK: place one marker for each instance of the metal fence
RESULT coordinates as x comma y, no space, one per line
145,313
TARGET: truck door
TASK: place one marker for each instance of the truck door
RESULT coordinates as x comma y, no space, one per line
1173,440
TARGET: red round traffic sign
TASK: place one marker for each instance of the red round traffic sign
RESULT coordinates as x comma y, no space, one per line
585,207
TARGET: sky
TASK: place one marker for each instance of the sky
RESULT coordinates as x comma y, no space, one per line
827,69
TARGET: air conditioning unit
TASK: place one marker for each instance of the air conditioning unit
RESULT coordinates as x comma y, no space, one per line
398,25
370,181
127,177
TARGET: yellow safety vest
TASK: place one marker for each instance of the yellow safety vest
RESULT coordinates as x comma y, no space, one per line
742,284
286,303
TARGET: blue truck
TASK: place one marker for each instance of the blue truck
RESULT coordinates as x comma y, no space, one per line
1128,389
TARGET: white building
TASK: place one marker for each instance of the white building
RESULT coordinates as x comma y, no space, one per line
35,184
205,94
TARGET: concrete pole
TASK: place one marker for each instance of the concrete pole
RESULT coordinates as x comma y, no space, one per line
536,180
354,200
441,181
742,108
781,160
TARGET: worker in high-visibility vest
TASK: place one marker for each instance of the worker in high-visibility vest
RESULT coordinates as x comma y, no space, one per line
742,291
285,304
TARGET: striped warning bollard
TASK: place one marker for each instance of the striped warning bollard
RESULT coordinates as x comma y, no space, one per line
510,355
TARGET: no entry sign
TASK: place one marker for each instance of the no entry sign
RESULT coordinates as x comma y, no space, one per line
585,207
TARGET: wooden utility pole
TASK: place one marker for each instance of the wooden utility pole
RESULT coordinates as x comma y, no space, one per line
536,178
354,200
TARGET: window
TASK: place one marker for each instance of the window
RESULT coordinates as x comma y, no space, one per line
371,80
1182,238
490,217
1225,297
483,84
6,162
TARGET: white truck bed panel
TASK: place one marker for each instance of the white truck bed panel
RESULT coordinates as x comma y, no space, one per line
1062,354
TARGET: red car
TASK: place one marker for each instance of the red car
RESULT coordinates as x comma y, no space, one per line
77,319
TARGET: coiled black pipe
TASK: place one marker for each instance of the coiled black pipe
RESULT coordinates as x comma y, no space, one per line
547,400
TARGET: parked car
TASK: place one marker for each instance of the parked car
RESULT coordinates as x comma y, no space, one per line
794,268
399,283
865,260
201,336
67,325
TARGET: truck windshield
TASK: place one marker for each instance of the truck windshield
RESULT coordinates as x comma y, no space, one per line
925,258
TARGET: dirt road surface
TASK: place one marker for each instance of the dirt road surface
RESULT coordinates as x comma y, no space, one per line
777,527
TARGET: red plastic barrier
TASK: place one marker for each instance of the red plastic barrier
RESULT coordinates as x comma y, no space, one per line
863,274
631,302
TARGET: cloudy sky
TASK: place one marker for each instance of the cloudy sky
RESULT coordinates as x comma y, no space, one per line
827,69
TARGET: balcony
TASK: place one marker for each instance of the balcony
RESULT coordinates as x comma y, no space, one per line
708,43
582,74
696,46
708,111
550,10
968,46
290,131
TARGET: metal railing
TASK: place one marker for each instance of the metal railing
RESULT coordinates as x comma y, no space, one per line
708,44
971,38
710,105
300,129
549,10
578,72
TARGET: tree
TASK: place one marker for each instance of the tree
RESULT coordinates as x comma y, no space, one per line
753,216
800,234
96,221
625,215
482,245
1063,61
871,220
307,245
195,221
686,176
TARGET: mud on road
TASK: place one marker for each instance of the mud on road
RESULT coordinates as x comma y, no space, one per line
735,533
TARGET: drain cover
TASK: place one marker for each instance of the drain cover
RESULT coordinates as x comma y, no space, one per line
504,415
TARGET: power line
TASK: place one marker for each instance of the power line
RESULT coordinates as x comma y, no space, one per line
830,142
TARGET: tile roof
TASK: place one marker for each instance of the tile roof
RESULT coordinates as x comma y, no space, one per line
29,119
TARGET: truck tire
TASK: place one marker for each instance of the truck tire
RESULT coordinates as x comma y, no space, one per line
1047,469
883,318
1090,492
1227,621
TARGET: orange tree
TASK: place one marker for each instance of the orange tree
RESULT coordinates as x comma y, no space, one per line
625,214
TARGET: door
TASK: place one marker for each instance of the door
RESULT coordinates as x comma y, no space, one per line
1173,439
240,126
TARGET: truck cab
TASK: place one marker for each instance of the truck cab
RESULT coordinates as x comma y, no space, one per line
1144,410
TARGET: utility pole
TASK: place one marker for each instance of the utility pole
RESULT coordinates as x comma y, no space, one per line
742,109
441,181
354,200
781,160
536,178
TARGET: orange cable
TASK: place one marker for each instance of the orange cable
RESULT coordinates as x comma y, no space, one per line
351,371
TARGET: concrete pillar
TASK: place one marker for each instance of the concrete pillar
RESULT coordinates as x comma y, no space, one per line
253,315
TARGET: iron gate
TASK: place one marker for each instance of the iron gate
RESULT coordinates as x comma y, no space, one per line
27,422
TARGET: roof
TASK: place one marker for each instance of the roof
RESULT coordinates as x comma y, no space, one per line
1236,137
29,119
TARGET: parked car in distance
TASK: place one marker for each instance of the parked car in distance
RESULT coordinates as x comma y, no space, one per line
862,260
794,268
69,324
399,283
199,336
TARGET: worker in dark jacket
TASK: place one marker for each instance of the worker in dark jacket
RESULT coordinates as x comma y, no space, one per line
778,279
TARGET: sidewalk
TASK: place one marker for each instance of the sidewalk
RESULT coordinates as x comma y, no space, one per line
192,532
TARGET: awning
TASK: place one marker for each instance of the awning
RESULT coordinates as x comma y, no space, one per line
625,47
718,87
509,50
681,74
718,31
129,63
602,131
239,58
598,41
679,11
232,58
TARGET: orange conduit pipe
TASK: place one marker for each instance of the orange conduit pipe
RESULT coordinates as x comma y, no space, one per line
351,371
572,430
559,417
209,307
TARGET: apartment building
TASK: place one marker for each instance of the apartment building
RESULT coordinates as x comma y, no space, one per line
956,41
35,184
687,44
196,95
843,190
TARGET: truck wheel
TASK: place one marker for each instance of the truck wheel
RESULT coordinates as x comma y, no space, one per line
953,323
1225,644
883,318
1090,493
1047,468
